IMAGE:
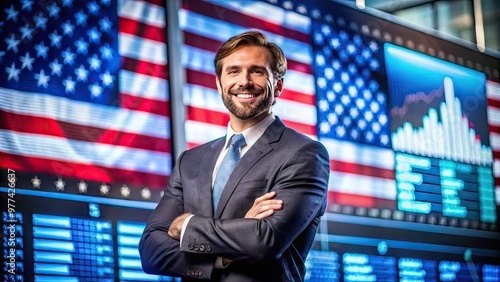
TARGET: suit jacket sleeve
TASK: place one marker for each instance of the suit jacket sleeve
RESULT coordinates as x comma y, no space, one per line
300,178
160,254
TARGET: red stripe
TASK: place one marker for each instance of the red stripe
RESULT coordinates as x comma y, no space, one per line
47,126
297,97
207,116
82,171
160,3
355,168
146,68
493,103
231,16
145,105
298,66
201,42
360,201
141,30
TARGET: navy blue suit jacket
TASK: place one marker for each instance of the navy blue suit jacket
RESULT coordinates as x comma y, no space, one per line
271,249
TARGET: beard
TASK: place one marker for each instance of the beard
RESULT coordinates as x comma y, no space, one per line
246,110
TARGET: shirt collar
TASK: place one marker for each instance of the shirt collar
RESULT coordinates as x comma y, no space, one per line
253,133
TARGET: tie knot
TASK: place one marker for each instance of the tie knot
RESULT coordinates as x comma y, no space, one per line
238,140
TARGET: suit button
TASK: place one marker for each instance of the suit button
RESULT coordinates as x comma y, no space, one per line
190,247
189,273
202,248
199,273
196,247
208,248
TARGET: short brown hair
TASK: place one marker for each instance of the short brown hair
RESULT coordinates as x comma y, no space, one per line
251,38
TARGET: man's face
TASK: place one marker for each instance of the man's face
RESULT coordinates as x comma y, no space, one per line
247,84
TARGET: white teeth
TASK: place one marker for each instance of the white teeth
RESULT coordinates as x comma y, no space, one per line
245,96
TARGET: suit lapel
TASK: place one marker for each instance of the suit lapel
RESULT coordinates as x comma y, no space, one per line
254,154
207,164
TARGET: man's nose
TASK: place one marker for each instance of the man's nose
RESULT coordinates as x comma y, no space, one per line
245,79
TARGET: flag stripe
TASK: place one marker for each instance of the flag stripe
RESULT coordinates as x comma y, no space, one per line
144,68
130,102
228,14
68,168
85,153
150,32
48,106
351,199
143,12
48,126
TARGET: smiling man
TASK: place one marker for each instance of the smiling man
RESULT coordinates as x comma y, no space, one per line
246,206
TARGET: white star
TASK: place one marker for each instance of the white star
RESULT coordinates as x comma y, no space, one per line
288,5
106,2
2,53
12,43
67,28
36,182
93,8
105,24
26,4
106,52
146,193
68,57
107,78
82,187
60,184
54,10
11,13
81,74
42,79
81,46
125,191
26,32
55,39
69,84
56,68
95,90
95,63
104,189
13,72
81,18
40,21
41,50
27,61
94,35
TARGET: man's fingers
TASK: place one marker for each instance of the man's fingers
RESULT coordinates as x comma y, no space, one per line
266,196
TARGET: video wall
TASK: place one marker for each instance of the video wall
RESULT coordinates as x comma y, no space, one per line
409,118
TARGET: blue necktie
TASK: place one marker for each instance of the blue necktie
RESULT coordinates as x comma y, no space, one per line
226,167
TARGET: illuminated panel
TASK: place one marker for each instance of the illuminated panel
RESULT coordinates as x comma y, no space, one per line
362,267
426,185
412,269
129,261
72,249
12,246
458,271
322,266
491,273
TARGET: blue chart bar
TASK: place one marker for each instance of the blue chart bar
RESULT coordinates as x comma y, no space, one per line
129,262
412,269
362,267
72,249
322,266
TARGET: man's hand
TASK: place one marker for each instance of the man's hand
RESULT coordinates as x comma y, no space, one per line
175,228
264,206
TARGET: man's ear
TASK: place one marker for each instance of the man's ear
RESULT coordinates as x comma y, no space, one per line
217,82
279,87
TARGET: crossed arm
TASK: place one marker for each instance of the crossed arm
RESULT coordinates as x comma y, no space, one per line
263,207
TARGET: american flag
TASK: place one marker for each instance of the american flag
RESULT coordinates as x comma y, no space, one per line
84,90
206,25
